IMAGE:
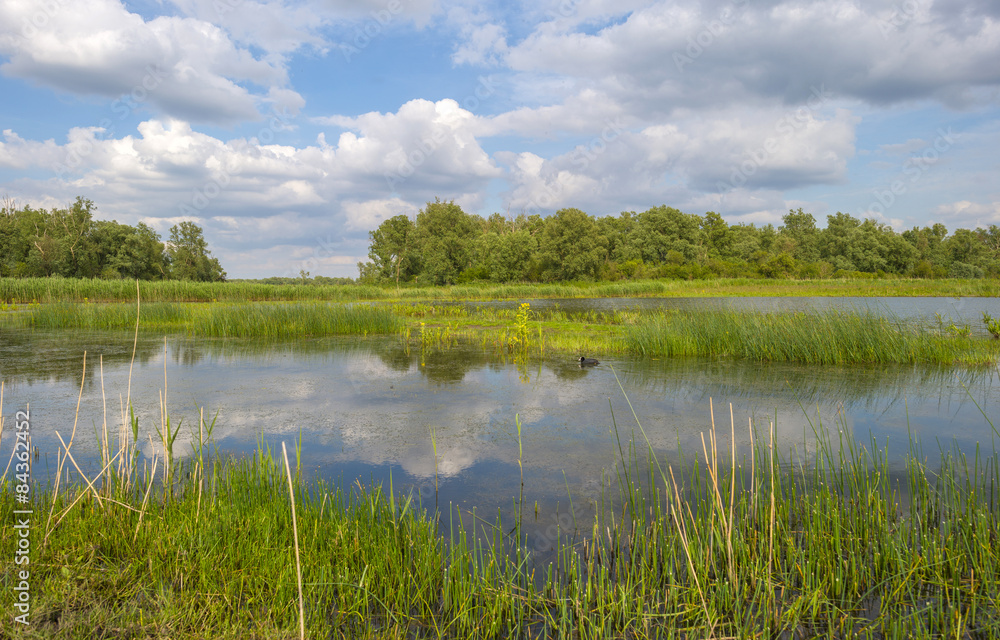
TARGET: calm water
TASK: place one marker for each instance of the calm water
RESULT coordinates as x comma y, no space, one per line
365,408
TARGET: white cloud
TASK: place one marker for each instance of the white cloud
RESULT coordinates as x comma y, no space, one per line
182,67
969,215
670,55
371,213
424,149
481,41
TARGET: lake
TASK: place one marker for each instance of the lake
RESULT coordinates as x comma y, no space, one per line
368,408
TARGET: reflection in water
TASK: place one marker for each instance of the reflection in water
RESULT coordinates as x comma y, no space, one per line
370,406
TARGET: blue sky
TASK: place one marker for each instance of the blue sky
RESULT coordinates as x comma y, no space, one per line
288,130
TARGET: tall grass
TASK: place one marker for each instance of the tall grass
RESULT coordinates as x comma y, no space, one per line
249,320
47,290
825,337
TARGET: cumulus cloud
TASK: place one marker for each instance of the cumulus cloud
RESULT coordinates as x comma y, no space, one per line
721,153
969,215
250,195
423,148
182,67
670,55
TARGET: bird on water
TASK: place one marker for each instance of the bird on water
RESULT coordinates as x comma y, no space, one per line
588,362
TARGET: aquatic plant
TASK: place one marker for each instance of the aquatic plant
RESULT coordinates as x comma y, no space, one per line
992,324
827,337
247,320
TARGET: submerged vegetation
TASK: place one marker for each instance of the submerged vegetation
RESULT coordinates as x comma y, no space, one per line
745,543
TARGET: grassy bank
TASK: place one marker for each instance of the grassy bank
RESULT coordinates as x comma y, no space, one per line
47,290
745,544
249,320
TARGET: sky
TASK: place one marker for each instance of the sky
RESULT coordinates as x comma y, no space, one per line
288,130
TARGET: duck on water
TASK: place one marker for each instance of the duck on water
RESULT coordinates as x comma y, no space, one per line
588,362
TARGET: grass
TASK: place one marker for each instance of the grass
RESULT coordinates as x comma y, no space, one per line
222,320
15,291
828,337
751,543
822,337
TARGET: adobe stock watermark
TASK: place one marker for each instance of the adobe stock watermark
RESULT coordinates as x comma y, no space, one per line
788,124
565,9
711,31
202,196
913,170
21,579
222,7
371,29
901,14
40,18
582,156
77,152
425,148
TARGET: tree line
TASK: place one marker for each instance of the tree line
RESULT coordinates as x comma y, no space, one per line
70,243
445,245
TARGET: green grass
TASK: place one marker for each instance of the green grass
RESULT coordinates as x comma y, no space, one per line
829,337
741,544
248,320
47,290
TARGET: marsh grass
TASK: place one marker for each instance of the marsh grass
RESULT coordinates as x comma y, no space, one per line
223,320
48,290
749,543
827,337
821,337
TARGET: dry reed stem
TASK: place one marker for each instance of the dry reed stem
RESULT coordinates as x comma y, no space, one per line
295,533
80,495
145,499
770,541
90,484
61,460
753,484
105,451
713,472
200,470
682,532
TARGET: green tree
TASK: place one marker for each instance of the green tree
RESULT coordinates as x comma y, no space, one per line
663,229
836,239
391,250
718,236
189,256
507,256
800,227
135,253
444,236
571,246
967,247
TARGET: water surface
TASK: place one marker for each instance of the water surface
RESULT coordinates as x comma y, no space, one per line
367,407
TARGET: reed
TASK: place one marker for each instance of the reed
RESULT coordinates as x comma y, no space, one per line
248,320
48,290
830,337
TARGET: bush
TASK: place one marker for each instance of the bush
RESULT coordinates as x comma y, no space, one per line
964,271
